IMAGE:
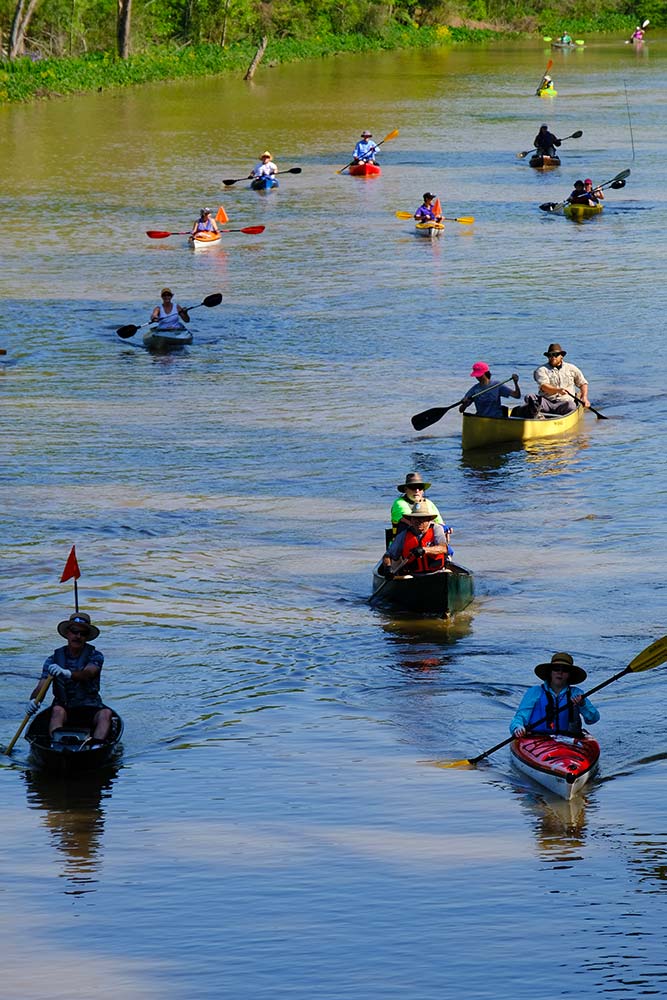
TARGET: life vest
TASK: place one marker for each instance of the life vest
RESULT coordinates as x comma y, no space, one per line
76,694
169,320
204,227
425,563
551,718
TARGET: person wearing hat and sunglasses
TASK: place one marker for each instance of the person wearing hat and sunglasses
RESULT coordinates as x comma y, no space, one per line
555,706
556,380
204,224
168,315
412,492
425,212
490,393
76,670
421,547
364,151
592,192
265,168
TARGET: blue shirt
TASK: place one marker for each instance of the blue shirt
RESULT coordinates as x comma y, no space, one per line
488,405
588,711
364,150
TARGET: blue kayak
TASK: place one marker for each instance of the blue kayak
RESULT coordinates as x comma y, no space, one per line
263,183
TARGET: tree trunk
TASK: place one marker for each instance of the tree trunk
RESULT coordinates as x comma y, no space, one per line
123,28
20,23
257,58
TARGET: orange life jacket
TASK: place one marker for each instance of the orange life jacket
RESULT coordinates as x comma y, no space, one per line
425,563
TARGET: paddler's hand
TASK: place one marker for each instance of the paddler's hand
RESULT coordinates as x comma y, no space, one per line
521,731
577,699
515,379
418,552
32,707
57,671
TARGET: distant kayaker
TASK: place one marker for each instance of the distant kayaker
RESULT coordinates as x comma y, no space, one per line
425,212
488,404
638,35
76,670
580,196
423,544
168,315
265,168
565,39
547,84
545,142
364,151
553,378
592,192
555,706
205,224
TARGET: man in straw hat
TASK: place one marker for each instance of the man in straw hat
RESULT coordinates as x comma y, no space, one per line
556,380
412,491
419,548
265,168
555,706
76,670
364,151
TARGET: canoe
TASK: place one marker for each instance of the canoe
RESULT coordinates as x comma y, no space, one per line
579,212
566,45
71,751
204,240
264,183
442,593
547,92
167,340
563,764
365,170
429,229
482,432
540,162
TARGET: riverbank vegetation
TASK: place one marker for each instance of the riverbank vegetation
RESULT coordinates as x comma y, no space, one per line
52,47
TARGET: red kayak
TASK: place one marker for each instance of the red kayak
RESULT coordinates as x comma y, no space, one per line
365,170
563,764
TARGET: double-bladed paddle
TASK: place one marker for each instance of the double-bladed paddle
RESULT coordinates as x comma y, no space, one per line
616,182
235,180
387,138
428,417
651,657
541,83
159,234
129,331
39,698
575,135
465,219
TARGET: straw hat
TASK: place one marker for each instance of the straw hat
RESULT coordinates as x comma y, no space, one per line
78,618
565,662
413,481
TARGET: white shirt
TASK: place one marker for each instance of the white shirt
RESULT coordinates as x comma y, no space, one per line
566,377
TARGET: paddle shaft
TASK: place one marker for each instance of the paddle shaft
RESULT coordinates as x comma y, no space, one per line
549,65
129,331
575,135
387,138
465,219
230,181
597,413
437,412
39,697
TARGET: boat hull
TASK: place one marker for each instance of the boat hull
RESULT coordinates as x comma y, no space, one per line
429,229
483,432
70,753
539,162
264,184
442,593
204,240
563,764
580,212
167,340
365,170
547,93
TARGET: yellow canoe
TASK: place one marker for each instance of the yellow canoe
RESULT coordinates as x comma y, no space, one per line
483,432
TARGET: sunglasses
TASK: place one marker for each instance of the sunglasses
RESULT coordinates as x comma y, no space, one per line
78,632
557,354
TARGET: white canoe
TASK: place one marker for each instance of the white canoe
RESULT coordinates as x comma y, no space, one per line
166,340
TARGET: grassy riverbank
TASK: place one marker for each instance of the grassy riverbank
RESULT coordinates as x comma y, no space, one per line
25,79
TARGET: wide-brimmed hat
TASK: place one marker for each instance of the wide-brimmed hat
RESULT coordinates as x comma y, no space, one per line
479,368
565,661
554,349
265,153
414,480
366,135
78,618
421,511
166,291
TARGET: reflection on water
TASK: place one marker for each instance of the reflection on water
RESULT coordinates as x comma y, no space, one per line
559,825
73,812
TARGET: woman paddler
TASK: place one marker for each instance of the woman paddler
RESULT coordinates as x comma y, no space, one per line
555,706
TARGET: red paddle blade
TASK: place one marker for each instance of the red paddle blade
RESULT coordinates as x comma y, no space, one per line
157,234
253,230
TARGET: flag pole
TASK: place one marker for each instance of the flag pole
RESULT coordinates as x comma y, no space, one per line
76,596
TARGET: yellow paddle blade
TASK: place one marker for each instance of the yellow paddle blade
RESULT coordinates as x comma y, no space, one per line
404,215
392,135
453,763
466,219
652,656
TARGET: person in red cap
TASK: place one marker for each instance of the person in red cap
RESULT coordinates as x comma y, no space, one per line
487,394
592,192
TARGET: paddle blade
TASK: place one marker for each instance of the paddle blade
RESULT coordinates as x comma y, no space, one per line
392,135
230,181
466,219
213,300
253,230
126,331
221,216
157,234
548,206
652,656
617,185
428,417
577,135
453,763
293,170
404,215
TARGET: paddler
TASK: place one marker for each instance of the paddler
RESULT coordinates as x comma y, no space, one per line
545,142
265,168
364,151
204,224
558,382
580,196
426,211
488,404
412,491
76,670
419,548
546,85
592,192
555,706
168,314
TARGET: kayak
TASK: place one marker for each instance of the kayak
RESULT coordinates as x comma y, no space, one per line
365,170
264,183
70,750
203,240
566,45
579,212
483,432
167,340
442,593
547,92
563,764
540,162
429,229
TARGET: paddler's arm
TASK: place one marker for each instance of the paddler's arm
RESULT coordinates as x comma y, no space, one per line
519,723
589,712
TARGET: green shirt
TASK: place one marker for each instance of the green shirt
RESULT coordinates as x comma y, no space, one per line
402,505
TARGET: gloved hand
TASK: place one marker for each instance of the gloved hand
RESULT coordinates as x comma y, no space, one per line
418,552
385,571
33,706
57,671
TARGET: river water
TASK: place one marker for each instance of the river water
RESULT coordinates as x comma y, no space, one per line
277,825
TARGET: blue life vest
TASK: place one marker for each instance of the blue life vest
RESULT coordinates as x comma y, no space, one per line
563,717
76,694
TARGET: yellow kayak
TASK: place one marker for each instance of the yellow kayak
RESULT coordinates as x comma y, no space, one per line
547,92
429,229
579,212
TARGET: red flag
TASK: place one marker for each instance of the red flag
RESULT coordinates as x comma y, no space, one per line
437,208
71,567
